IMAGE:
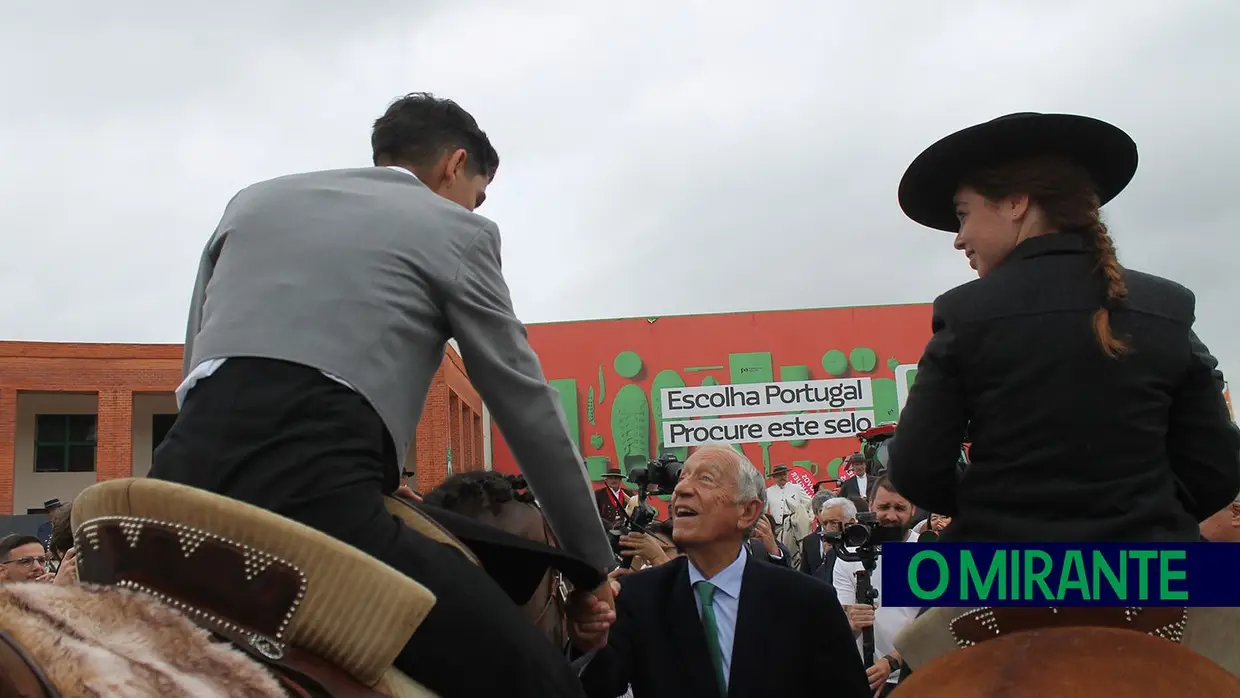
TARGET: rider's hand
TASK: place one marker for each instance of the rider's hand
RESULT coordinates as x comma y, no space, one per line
859,617
590,615
67,574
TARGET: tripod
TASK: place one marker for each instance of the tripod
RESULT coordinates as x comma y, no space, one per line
866,596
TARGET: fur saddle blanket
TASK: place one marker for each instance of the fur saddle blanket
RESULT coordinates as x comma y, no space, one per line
93,641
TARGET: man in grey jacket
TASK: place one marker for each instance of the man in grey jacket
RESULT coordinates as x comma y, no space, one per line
319,316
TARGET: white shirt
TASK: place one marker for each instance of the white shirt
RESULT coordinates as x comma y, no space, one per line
206,368
861,486
780,497
888,620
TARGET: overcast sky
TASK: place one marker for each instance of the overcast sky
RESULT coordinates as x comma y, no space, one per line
658,156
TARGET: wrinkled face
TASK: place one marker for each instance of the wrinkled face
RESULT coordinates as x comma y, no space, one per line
704,505
452,180
891,509
833,518
613,482
1224,526
989,231
24,563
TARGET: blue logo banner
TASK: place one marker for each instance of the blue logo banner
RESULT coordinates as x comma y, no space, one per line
1059,574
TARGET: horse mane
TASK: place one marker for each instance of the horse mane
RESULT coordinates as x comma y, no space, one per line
479,490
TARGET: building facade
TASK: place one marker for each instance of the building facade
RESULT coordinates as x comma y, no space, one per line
75,414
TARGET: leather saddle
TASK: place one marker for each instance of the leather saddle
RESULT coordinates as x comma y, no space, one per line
980,624
324,618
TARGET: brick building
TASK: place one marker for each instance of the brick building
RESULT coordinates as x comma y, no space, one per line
75,414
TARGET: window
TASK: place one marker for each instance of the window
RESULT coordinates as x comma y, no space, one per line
160,425
65,443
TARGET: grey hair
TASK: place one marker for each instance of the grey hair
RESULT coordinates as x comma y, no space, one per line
819,499
850,509
750,483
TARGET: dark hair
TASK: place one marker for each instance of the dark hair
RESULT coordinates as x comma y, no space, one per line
419,128
884,483
478,490
1067,195
62,530
14,541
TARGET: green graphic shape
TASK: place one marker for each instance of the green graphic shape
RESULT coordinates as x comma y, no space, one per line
710,380
597,441
630,426
567,388
748,368
628,364
809,465
893,363
835,363
886,403
602,385
699,369
833,468
795,373
909,378
596,466
590,405
863,359
663,380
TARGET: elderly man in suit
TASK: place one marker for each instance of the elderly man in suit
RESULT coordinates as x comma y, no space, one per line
716,622
319,316
817,554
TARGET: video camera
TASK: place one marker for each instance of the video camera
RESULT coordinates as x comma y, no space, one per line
663,474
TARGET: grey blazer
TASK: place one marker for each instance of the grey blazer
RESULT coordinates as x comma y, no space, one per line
364,274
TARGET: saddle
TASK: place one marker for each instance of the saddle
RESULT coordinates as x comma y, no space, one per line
981,624
323,618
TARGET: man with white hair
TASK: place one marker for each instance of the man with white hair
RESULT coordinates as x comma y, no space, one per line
817,554
725,623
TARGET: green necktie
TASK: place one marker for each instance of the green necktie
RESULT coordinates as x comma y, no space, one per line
706,592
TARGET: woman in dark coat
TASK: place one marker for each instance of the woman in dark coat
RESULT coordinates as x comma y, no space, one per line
1094,411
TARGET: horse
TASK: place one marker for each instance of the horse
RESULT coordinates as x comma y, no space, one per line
189,594
1068,653
504,502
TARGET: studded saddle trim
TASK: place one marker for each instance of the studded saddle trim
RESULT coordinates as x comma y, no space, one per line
239,591
980,624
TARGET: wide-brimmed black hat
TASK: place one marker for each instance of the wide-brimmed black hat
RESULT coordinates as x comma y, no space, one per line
930,183
779,470
613,472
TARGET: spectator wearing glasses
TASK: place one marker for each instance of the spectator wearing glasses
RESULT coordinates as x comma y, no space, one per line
23,559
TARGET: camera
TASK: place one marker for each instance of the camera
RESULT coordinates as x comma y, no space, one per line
659,476
663,473
867,533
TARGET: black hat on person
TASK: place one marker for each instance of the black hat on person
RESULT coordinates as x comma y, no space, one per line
613,472
929,185
779,470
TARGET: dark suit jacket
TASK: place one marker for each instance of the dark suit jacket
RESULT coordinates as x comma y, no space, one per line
792,639
607,510
1067,444
812,558
757,550
852,488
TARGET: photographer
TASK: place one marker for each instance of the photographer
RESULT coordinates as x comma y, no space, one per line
649,549
893,515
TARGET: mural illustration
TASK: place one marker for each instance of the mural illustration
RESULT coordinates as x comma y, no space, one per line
611,375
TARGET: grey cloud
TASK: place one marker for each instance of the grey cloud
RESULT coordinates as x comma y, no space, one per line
657,157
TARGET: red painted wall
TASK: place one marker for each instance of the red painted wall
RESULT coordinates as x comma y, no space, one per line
579,351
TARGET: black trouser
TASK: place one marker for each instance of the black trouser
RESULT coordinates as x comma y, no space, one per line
288,439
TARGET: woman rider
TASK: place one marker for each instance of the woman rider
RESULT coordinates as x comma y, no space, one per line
1094,411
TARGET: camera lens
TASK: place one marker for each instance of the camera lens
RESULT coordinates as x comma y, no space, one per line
855,535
